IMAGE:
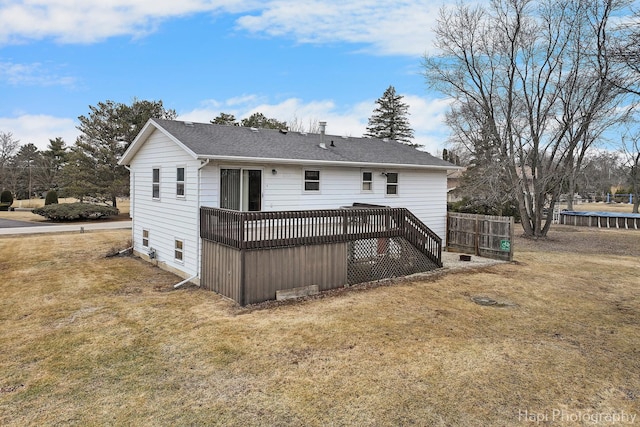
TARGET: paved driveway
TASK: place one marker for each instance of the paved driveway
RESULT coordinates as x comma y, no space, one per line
11,223
23,227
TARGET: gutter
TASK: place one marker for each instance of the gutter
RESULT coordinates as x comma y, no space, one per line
325,162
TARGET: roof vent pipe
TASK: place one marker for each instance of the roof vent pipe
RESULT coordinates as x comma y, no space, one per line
323,126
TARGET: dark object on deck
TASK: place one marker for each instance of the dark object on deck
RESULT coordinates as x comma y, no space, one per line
465,257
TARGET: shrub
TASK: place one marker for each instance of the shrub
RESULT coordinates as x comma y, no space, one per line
51,198
75,211
6,200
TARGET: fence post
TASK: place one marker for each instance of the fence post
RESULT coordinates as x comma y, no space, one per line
511,233
477,237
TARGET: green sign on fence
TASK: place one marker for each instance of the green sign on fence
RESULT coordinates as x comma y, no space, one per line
505,245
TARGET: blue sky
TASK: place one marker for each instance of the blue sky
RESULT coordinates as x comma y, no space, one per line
307,59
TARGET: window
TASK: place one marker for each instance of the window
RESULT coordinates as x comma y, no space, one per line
367,181
311,180
392,183
180,182
179,250
156,184
145,238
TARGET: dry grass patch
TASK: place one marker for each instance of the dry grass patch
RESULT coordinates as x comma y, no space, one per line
88,340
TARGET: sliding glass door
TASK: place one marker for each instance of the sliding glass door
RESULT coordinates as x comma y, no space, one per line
241,189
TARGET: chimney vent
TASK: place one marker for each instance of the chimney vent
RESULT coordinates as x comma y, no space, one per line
323,126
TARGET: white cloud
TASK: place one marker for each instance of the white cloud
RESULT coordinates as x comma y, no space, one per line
398,27
34,74
390,27
39,129
427,118
79,21
426,115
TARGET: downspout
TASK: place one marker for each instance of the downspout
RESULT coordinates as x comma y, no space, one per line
198,239
132,179
177,285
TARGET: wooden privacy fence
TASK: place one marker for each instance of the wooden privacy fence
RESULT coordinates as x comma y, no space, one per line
483,235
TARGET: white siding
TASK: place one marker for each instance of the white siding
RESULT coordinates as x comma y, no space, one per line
423,192
171,217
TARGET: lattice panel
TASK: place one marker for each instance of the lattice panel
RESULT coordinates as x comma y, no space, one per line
383,258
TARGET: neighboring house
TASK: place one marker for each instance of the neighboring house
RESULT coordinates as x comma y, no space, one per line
177,167
453,181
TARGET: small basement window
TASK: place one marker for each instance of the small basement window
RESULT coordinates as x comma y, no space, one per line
311,180
145,238
179,250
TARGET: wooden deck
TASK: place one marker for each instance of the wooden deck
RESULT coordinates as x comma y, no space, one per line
250,256
263,230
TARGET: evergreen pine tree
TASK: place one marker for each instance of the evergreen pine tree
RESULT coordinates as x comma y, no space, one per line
106,132
225,119
389,119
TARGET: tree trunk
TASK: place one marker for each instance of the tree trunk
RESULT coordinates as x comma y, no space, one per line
572,186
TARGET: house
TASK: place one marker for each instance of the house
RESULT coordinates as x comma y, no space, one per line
182,173
454,177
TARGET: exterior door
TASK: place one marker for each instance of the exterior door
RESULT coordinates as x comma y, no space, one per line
252,197
241,189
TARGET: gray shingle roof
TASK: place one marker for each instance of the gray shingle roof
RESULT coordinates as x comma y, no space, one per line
209,140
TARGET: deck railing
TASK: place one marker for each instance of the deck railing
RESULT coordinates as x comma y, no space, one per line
264,230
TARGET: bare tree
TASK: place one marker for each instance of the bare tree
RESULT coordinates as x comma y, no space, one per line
534,79
601,171
626,54
297,124
8,148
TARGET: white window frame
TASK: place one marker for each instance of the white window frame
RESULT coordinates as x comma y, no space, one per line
178,249
395,184
155,183
306,181
363,182
145,237
183,182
